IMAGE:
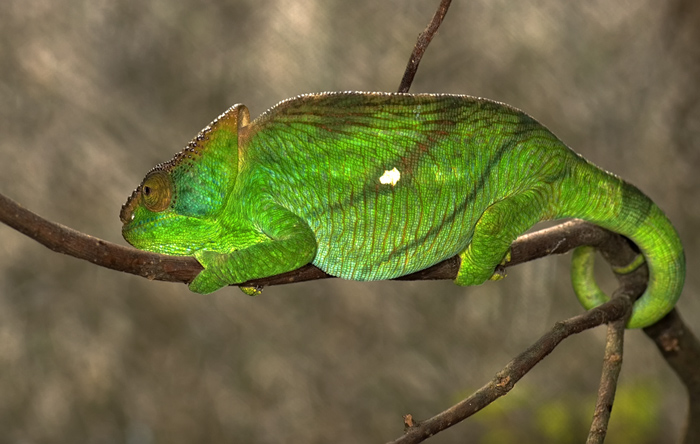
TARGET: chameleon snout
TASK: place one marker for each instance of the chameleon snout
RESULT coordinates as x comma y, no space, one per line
126,214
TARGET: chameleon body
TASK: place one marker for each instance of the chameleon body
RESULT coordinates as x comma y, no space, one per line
371,186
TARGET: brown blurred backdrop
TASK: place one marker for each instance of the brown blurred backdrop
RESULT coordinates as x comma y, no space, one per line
94,93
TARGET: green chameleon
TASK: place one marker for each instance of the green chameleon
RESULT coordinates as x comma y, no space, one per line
370,186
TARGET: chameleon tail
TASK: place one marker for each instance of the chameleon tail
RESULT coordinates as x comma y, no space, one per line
611,203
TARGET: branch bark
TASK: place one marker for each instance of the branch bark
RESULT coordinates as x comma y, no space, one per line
612,365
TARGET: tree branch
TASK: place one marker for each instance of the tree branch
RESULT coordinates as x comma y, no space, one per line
421,45
632,285
62,239
612,364
505,380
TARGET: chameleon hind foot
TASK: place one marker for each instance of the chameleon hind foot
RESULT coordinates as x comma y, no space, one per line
500,224
500,271
252,291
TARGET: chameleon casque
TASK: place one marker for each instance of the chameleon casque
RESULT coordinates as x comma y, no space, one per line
371,186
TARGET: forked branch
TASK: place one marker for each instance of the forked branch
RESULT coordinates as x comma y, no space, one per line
505,380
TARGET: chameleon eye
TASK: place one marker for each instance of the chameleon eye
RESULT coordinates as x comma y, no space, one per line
157,191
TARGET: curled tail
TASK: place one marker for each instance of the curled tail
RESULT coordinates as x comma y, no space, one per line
608,201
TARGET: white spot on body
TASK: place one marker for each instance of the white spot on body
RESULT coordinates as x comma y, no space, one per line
390,177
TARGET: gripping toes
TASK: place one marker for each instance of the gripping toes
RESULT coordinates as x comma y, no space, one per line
208,280
474,272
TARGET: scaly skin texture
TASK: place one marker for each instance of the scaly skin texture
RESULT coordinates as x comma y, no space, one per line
370,186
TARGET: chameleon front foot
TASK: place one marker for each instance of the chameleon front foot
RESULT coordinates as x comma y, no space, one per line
208,280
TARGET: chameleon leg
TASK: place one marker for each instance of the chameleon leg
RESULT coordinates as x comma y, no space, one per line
290,244
495,231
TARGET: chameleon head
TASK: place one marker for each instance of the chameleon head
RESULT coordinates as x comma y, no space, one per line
174,208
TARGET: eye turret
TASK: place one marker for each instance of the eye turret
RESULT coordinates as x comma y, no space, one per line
157,191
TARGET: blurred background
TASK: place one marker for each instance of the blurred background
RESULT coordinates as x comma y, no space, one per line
94,93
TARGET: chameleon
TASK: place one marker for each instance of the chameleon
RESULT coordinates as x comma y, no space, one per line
372,186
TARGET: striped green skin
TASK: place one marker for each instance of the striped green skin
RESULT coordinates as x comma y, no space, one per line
372,186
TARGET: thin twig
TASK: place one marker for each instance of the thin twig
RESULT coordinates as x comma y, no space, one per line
612,364
504,380
424,40
632,285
